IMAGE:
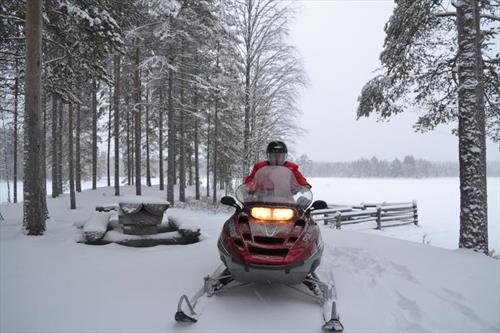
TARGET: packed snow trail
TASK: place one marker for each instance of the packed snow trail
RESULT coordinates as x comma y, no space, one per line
53,284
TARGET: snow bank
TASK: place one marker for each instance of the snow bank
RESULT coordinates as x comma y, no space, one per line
182,220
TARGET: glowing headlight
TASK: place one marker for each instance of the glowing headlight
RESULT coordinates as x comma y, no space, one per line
261,213
282,214
272,214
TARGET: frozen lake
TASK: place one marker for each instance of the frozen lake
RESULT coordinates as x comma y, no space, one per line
437,198
438,202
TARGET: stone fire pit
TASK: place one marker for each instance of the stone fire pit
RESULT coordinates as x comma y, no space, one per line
135,221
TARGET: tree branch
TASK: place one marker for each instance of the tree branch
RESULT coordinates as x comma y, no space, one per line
490,17
446,14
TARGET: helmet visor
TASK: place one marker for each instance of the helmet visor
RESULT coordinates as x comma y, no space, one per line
276,158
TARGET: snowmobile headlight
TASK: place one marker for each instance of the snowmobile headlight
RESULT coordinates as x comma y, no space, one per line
271,214
282,214
261,213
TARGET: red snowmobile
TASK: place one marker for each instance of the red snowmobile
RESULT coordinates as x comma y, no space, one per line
271,238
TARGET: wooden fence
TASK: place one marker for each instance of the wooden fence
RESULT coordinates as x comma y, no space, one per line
383,214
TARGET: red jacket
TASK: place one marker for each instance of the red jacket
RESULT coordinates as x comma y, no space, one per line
290,165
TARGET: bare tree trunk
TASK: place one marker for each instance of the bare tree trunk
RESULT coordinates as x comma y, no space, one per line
481,114
72,198
5,156
246,138
108,165
182,151
196,148
94,135
148,162
16,113
216,136
160,141
190,161
44,154
248,64
216,147
33,208
117,123
471,132
176,153
208,156
171,140
60,148
189,149
54,176
129,162
132,148
222,173
137,124
78,171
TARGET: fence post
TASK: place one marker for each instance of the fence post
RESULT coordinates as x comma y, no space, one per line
325,221
379,217
338,218
415,213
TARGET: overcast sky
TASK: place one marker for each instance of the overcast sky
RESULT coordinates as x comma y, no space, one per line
340,43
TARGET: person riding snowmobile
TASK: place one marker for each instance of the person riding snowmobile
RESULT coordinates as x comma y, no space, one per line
270,238
276,155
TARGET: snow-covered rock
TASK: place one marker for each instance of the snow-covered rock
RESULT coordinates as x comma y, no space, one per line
96,226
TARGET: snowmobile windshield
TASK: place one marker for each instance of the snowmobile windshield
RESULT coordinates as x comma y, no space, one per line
276,186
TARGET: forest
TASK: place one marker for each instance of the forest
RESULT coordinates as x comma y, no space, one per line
409,167
173,88
155,87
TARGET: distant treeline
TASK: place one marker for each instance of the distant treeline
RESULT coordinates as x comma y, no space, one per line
409,166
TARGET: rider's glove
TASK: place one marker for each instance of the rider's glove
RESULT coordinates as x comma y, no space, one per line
251,187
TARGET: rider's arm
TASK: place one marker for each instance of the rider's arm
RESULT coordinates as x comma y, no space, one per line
256,167
298,176
249,178
301,179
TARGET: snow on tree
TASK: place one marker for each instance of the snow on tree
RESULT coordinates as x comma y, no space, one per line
443,65
271,71
170,77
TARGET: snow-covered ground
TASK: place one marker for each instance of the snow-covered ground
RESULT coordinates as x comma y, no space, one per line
53,284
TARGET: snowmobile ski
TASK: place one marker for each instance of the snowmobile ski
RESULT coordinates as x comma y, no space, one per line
327,296
210,285
334,324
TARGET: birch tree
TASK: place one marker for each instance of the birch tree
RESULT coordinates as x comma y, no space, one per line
271,73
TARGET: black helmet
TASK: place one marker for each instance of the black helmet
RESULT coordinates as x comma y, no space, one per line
276,152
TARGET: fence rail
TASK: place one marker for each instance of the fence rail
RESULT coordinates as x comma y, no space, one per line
384,214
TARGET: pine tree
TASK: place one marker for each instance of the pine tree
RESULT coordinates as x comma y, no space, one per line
442,62
116,104
71,169
33,209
